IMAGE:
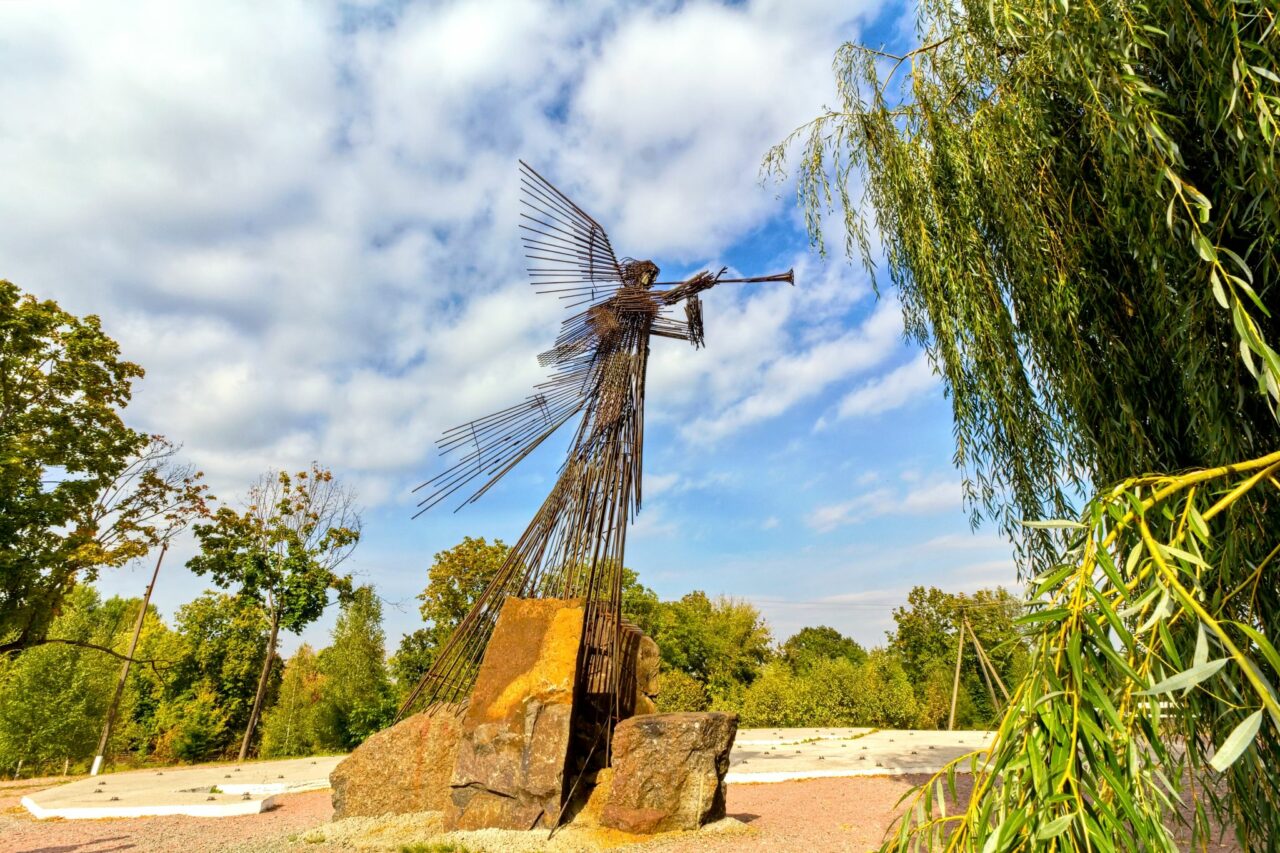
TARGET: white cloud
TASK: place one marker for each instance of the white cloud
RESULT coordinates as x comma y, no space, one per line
304,227
799,376
899,387
921,498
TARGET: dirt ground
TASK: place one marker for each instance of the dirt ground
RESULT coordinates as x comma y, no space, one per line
842,814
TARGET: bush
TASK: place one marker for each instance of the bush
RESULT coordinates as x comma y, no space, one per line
771,700
679,691
195,727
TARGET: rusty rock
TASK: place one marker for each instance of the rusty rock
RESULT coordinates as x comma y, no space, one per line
668,771
510,766
403,769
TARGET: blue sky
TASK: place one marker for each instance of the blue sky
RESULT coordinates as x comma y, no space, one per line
300,218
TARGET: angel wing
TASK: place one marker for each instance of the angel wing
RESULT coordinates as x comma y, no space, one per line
570,253
570,256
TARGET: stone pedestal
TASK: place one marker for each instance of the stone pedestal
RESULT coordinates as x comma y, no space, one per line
403,769
668,771
514,743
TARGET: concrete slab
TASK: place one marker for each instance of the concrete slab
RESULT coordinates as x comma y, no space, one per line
780,755
211,790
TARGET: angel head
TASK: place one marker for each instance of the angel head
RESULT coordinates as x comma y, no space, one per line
639,273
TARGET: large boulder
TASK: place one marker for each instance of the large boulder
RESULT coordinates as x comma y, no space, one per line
516,733
668,771
403,769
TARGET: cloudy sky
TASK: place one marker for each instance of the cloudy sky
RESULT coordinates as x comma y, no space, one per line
300,218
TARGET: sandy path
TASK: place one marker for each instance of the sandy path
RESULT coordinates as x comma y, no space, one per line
843,814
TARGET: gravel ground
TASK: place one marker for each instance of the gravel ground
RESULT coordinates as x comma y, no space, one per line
20,833
842,814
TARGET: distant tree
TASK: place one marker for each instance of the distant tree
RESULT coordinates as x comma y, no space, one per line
414,656
210,690
810,645
79,490
290,726
455,580
926,641
52,697
639,603
282,552
356,698
772,699
196,727
679,691
722,643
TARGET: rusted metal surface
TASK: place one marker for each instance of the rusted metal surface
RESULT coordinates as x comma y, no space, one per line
574,546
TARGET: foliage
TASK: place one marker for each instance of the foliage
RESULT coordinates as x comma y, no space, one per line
282,552
52,698
639,603
679,691
290,726
810,645
455,580
356,698
413,658
1146,638
721,643
78,489
197,727
926,640
1078,203
210,689
832,691
771,700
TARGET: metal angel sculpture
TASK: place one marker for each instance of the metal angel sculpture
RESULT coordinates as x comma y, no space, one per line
573,548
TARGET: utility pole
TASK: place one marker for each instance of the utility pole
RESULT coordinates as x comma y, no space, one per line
124,670
955,684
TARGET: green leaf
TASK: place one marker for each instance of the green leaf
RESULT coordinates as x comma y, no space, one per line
1264,72
1237,742
1187,678
1054,524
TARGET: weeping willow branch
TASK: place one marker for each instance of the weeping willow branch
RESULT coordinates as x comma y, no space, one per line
1147,656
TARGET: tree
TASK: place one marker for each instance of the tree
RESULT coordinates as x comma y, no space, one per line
680,691
927,638
722,643
454,582
157,497
52,697
810,645
210,690
282,552
356,696
1079,204
79,490
413,657
290,726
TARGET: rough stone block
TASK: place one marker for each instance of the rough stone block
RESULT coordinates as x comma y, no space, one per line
403,769
668,771
510,767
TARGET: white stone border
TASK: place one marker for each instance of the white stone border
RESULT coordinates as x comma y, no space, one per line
227,809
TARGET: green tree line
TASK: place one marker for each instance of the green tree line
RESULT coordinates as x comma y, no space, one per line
192,689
